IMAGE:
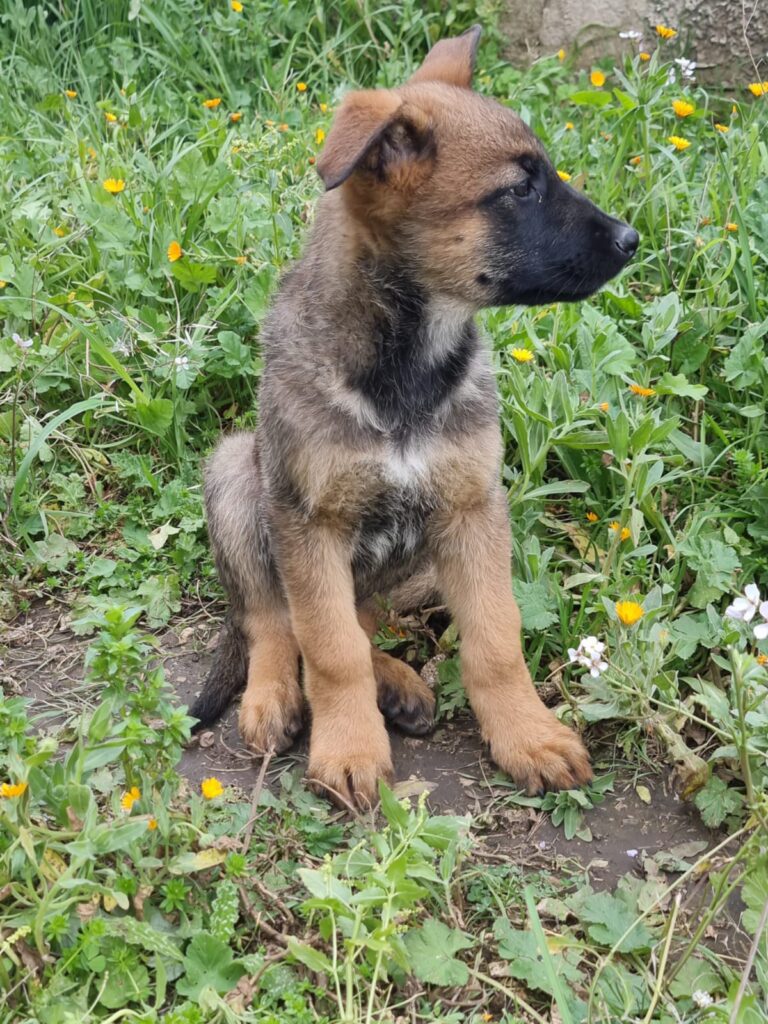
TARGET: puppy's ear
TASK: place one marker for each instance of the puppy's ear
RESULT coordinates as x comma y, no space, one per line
373,131
451,60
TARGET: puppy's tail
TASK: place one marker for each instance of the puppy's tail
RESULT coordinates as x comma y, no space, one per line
227,676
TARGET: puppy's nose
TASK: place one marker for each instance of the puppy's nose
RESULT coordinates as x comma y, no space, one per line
626,239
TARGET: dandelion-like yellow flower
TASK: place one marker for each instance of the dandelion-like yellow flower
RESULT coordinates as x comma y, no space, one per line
678,142
269,124
236,6
683,108
235,116
604,406
175,252
522,355
129,799
282,127
3,284
623,531
762,659
569,126
665,32
722,128
59,231
241,260
638,389
758,89
597,78
212,103
629,612
10,790
211,788
152,824
731,226
114,185
592,517
636,161
323,108
319,136
644,56
71,94
91,152
561,54
563,175
301,86
111,118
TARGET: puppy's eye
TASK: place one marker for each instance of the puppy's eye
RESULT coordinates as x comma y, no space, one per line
523,188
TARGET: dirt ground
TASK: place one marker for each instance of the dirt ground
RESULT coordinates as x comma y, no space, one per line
41,658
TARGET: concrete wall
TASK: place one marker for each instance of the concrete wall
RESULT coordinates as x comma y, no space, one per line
712,32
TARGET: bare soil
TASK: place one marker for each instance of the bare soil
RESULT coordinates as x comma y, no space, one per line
43,660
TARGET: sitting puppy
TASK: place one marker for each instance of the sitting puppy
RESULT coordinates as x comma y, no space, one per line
375,469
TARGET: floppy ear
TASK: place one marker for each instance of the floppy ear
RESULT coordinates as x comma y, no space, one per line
451,60
374,131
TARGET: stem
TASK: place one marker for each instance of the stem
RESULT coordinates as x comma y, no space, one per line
662,965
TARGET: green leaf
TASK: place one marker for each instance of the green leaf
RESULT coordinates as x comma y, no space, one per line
431,948
677,384
209,962
608,918
193,276
526,962
716,801
312,958
585,97
538,606
154,414
139,933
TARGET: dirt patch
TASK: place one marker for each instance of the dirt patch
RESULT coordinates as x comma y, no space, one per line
43,660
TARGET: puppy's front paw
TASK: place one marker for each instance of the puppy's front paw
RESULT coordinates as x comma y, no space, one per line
270,720
347,759
540,753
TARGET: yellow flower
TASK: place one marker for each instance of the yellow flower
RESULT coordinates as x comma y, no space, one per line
604,406
129,799
282,127
644,56
241,260
592,517
175,252
623,531
323,108
730,226
270,124
301,86
636,160
705,221
597,78
111,118
3,284
637,389
211,788
152,824
722,128
665,32
11,790
70,94
678,142
91,152
762,659
235,116
71,296
212,103
758,88
563,175
236,6
522,355
629,612
60,231
236,149
683,108
561,54
114,185
569,126
319,136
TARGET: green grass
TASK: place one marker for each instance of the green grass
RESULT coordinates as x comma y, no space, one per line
119,369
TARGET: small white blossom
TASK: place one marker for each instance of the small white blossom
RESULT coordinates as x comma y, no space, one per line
761,629
22,342
687,68
631,33
181,361
702,999
589,654
744,608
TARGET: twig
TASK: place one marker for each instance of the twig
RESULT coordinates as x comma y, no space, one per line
255,916
255,799
663,963
748,965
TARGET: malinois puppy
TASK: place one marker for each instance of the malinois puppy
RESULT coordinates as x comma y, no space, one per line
375,471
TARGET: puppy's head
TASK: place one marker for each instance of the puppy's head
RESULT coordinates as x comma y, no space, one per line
462,192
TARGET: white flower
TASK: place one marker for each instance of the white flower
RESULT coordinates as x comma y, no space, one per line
631,33
761,629
589,655
687,67
22,342
181,361
702,999
744,608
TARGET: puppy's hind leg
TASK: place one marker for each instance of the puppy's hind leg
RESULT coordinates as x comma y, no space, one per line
256,648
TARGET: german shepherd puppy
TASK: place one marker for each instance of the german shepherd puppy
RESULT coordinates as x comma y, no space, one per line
375,470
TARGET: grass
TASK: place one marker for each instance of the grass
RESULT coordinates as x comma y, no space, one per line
635,440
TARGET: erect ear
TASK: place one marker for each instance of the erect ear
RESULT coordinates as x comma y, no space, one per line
374,131
451,60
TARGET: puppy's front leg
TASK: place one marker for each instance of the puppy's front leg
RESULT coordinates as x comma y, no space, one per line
349,747
472,554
